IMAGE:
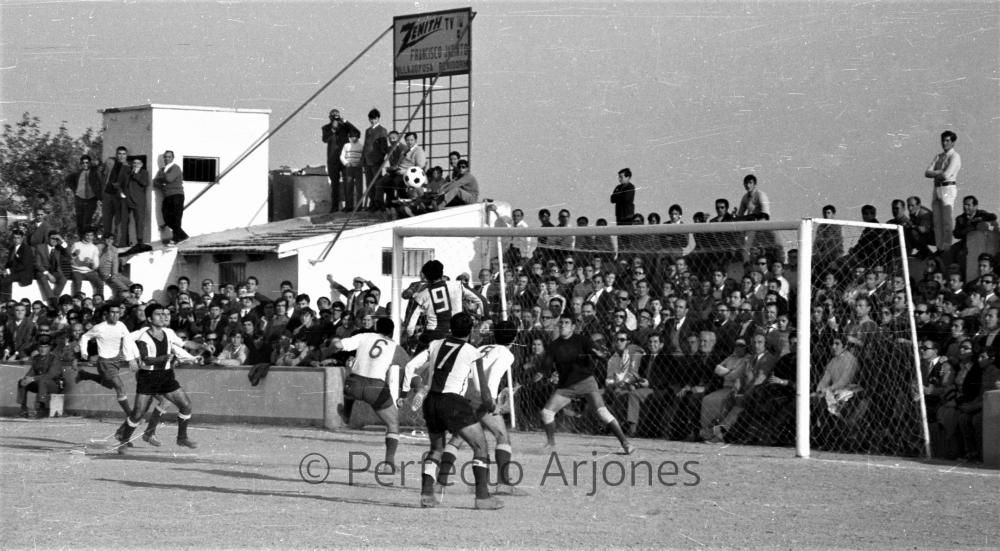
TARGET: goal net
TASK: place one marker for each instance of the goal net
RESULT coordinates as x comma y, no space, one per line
767,333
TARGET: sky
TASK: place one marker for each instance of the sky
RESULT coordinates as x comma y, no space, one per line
826,102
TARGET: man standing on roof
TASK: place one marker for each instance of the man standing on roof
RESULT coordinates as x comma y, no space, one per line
335,135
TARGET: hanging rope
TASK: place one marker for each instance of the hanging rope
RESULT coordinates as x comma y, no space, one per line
260,141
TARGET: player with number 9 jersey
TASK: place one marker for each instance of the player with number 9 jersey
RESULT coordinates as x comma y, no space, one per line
440,300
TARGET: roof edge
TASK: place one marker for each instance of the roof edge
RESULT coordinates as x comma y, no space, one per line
151,106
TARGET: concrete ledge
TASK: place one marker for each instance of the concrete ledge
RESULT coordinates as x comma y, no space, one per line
991,429
304,396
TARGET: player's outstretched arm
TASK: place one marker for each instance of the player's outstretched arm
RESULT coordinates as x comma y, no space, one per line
419,362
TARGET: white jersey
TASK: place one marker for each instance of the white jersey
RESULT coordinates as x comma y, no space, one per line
497,361
111,340
451,361
441,300
376,354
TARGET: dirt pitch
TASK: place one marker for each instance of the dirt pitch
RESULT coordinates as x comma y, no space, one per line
62,487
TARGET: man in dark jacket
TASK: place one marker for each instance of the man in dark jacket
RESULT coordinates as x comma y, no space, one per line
335,135
134,190
116,171
20,266
85,185
49,259
43,377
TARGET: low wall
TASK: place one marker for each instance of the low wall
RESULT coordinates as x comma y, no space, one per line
305,396
991,429
287,396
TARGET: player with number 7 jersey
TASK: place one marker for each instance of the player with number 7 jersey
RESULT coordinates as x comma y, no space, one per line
451,362
374,379
497,361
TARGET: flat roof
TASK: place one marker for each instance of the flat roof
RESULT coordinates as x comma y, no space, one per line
182,108
275,237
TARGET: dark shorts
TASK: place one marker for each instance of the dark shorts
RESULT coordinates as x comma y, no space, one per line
372,391
108,369
448,412
580,388
151,383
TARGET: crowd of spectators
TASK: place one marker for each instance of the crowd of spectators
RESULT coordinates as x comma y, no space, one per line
370,173
694,333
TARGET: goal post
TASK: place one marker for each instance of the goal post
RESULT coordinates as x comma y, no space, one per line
887,416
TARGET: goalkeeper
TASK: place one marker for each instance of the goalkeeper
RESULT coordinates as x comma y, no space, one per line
570,356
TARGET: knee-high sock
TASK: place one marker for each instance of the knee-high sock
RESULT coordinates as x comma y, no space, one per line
481,470
182,425
154,420
430,474
391,443
123,403
503,453
617,430
348,407
127,428
447,464
550,432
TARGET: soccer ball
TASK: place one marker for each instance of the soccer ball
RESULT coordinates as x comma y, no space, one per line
414,177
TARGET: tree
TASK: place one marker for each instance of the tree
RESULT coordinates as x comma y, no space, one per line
33,168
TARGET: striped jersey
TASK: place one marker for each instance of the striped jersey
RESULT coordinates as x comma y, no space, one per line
451,361
440,301
156,354
497,361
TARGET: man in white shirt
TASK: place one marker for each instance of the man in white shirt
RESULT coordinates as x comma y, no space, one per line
86,257
111,335
517,248
944,171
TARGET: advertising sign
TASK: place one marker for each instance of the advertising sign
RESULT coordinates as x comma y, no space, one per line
432,43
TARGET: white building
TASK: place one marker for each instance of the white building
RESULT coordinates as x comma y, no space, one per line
230,237
205,142
293,250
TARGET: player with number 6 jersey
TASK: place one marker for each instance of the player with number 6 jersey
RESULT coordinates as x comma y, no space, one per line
374,379
439,301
